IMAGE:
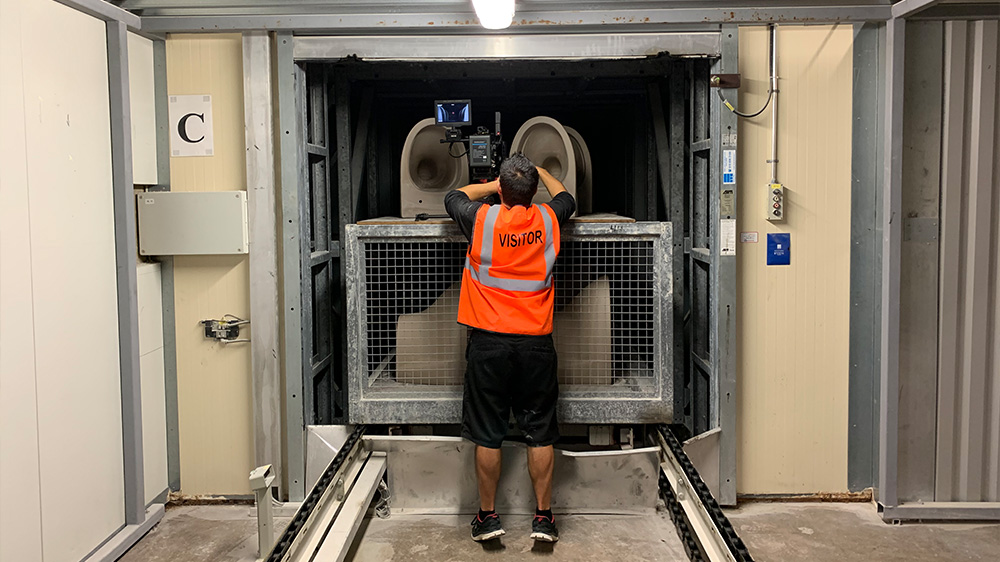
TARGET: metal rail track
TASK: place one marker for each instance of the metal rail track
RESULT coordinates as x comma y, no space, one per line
330,483
701,524
705,531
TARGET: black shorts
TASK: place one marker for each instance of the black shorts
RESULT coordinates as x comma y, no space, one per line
510,372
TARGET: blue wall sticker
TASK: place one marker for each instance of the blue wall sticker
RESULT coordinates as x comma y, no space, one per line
779,249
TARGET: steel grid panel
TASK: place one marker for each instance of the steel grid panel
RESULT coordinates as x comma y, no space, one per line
612,324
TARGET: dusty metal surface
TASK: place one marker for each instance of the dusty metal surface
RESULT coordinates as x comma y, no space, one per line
435,475
471,47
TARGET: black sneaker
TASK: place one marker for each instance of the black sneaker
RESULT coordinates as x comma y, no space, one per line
544,529
487,528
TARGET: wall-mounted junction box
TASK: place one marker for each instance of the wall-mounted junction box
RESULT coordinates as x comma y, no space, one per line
775,202
173,223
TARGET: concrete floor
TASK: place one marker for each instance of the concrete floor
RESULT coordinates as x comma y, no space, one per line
854,531
772,531
445,538
203,533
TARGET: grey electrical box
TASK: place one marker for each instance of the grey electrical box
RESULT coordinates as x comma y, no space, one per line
173,223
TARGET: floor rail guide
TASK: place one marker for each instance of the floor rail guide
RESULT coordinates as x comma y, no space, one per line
701,524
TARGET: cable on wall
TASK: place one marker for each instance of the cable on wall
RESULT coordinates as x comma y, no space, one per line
770,92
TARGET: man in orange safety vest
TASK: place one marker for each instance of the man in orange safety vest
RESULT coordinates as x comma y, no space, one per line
507,299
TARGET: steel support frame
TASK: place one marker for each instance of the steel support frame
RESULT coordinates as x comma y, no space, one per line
723,309
290,78
264,306
125,257
722,359
105,11
866,239
943,511
892,175
704,42
907,8
425,21
166,269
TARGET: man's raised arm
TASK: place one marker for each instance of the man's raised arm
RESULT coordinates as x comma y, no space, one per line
477,191
554,186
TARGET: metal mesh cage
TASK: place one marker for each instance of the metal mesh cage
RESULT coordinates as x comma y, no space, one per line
611,323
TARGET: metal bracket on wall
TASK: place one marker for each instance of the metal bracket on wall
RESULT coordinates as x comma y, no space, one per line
226,329
724,81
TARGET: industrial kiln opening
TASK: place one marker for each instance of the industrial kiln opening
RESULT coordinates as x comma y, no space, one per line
385,141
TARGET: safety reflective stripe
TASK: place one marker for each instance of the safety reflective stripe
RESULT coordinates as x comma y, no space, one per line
486,250
482,274
550,247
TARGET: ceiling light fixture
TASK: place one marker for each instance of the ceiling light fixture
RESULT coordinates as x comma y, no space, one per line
494,14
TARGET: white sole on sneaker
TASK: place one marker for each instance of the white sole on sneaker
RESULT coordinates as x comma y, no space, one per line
544,537
490,535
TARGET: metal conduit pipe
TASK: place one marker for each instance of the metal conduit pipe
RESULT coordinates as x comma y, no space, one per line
774,99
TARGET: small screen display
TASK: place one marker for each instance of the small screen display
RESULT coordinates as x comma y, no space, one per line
453,113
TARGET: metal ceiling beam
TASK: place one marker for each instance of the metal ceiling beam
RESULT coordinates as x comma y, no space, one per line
535,22
907,8
972,11
105,12
466,47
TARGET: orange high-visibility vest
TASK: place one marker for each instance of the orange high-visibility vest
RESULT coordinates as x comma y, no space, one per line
507,282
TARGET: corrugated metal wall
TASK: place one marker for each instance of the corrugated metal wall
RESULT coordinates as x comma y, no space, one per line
968,405
950,312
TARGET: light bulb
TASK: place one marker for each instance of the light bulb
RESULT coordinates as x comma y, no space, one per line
494,14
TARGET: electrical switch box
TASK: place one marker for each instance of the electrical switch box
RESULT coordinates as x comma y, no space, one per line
175,223
775,202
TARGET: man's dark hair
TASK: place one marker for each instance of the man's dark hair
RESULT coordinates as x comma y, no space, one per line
518,180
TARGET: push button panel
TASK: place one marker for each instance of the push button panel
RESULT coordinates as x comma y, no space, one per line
775,202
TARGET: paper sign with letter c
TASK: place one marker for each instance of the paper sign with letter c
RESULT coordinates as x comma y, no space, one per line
191,126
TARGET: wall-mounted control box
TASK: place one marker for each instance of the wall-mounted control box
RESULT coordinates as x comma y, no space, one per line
184,223
775,202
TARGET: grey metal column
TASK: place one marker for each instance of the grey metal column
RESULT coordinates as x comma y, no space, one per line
125,257
866,239
892,170
264,307
677,205
166,268
291,266
723,278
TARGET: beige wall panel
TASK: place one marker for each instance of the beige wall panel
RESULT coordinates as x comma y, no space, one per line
213,380
154,424
20,511
152,385
141,99
66,115
793,320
